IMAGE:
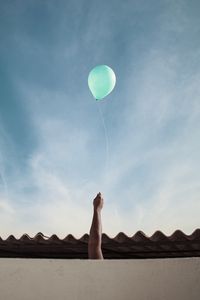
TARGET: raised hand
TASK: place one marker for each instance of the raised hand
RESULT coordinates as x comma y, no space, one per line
98,202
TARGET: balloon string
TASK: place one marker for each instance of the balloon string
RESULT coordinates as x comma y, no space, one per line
3,180
106,136
4,183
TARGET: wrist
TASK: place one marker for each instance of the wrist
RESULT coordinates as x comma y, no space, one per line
97,210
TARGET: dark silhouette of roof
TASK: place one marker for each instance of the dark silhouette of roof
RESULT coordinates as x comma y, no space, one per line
120,247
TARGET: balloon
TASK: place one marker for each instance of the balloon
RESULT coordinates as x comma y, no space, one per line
101,81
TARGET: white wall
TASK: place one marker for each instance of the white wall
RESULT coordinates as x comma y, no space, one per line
156,279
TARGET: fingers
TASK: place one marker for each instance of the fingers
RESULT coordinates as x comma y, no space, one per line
98,195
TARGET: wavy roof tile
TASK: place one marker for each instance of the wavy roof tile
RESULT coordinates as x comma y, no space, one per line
120,247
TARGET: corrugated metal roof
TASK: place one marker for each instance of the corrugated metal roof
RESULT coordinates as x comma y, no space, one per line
120,247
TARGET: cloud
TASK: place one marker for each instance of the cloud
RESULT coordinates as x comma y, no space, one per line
152,122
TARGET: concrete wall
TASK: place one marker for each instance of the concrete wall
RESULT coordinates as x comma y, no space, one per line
159,279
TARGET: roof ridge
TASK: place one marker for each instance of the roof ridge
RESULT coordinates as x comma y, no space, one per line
119,237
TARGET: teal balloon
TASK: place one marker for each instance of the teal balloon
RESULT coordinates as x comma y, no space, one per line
101,81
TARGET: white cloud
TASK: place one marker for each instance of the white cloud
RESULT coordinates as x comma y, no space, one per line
158,134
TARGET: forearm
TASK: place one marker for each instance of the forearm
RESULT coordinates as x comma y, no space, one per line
94,243
96,228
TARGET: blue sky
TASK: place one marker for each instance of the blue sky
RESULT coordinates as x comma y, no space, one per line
53,157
